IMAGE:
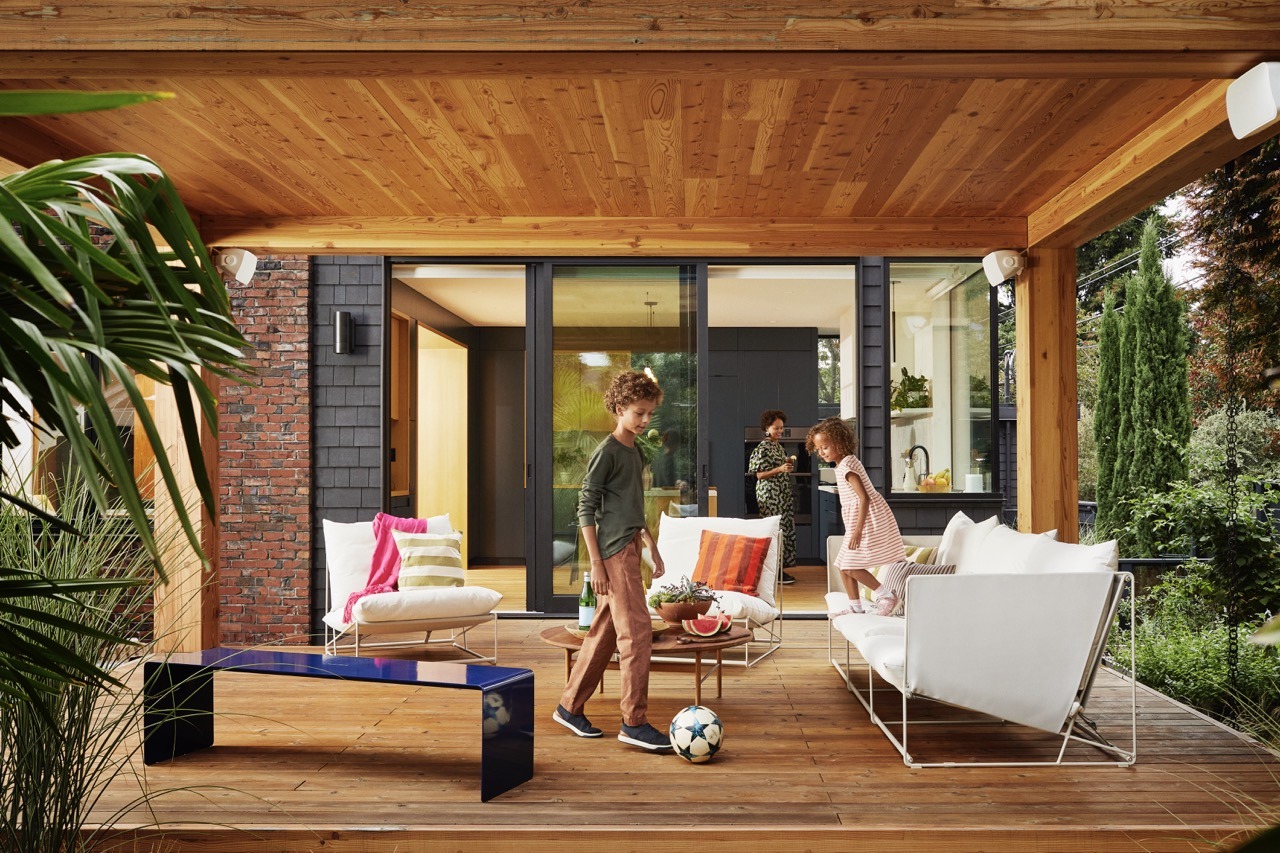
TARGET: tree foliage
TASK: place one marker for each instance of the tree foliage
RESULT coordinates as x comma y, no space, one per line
1106,417
1233,226
1106,259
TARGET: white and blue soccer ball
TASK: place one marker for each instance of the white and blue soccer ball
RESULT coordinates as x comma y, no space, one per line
496,715
696,733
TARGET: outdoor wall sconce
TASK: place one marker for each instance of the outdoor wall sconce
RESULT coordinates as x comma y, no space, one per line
1002,264
239,264
343,329
1253,99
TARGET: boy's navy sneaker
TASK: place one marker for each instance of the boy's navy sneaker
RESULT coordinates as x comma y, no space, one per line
644,736
576,723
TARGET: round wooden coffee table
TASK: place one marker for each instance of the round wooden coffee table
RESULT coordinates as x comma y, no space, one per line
673,639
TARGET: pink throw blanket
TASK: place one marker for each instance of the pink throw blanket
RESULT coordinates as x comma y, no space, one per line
384,572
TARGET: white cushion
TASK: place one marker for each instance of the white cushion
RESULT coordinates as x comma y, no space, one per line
1006,551
1050,557
856,627
679,538
887,654
348,552
961,541
419,603
739,605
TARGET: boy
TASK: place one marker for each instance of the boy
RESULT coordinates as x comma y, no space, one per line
611,516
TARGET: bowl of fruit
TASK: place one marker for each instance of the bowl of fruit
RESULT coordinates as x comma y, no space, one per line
939,482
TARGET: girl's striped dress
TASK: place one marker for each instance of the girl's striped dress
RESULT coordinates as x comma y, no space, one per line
881,541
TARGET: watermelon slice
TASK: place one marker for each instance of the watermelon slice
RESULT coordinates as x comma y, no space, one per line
707,626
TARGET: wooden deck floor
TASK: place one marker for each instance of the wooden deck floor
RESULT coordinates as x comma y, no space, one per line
309,765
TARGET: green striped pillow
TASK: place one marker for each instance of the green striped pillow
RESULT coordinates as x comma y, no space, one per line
430,559
920,554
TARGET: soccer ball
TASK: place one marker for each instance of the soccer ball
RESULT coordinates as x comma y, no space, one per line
496,715
696,733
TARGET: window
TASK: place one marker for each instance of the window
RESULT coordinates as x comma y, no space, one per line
940,370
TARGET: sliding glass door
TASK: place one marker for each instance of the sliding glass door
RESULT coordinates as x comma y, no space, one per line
598,321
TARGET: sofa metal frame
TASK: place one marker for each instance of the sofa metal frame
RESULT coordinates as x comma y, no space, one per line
1078,728
459,627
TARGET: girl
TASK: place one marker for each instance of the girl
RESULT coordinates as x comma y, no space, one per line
871,532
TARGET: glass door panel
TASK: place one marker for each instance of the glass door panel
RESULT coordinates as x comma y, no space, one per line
606,320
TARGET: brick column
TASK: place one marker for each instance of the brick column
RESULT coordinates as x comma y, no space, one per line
265,472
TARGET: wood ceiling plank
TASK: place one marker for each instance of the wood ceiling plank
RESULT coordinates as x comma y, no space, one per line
659,24
609,236
553,187
627,192
1184,144
200,59
435,144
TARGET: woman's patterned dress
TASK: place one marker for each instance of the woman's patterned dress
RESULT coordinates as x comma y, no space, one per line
773,494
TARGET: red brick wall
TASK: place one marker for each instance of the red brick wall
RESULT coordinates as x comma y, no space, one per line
265,466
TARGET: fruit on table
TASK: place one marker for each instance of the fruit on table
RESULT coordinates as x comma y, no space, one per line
706,626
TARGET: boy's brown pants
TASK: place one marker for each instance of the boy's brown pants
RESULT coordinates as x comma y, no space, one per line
621,624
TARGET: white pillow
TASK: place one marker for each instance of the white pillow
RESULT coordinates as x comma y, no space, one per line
348,552
961,540
430,559
679,538
1048,556
1006,551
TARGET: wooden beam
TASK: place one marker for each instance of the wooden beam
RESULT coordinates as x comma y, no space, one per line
1183,145
620,235
1048,487
1035,25
179,63
186,608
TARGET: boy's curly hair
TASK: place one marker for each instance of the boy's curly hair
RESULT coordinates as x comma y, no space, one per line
770,415
838,433
626,388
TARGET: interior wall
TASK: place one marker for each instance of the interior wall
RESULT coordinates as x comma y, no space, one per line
442,473
751,370
497,447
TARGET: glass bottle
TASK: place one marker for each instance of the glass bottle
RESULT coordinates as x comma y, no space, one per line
586,605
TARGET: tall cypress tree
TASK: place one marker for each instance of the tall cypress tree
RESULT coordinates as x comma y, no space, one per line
1120,488
1161,401
1106,418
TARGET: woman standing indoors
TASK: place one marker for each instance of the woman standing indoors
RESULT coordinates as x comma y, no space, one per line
772,469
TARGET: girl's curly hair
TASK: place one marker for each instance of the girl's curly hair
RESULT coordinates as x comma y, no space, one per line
838,433
626,388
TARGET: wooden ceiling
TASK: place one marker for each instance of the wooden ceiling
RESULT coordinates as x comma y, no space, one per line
711,150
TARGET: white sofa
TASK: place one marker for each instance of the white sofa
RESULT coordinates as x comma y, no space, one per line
1017,633
415,614
678,541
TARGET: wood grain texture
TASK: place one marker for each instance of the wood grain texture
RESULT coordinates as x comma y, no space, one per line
657,24
1189,141
1048,480
363,767
603,236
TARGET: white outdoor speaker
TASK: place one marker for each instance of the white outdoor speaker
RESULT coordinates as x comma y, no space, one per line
1002,264
1253,99
240,264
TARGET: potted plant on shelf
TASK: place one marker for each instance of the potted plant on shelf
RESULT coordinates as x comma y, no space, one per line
684,599
910,392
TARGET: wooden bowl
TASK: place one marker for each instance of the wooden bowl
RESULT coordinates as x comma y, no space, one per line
675,612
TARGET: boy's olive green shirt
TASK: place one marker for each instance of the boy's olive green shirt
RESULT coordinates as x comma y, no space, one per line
612,497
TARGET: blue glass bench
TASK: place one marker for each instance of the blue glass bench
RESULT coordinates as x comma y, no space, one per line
178,700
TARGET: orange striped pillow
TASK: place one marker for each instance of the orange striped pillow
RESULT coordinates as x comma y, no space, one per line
731,563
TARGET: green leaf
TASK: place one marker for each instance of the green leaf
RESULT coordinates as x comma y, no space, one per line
33,102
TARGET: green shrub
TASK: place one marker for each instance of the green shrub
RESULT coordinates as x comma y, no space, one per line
1181,646
1257,445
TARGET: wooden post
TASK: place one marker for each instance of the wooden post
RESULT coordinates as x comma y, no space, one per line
186,608
1048,489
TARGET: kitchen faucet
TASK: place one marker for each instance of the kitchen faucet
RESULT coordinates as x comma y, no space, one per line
911,462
